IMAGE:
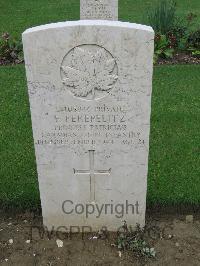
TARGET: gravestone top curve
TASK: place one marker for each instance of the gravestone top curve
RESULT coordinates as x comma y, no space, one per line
89,23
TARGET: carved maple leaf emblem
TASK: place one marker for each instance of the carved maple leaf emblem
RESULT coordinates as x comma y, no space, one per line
89,71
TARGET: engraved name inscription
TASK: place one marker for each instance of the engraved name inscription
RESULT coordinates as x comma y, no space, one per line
99,9
88,125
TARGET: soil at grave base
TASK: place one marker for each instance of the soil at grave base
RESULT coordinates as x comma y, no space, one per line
179,244
8,63
178,58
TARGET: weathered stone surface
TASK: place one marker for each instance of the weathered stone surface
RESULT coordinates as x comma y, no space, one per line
90,101
99,9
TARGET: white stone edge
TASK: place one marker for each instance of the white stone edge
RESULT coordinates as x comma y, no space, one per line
89,23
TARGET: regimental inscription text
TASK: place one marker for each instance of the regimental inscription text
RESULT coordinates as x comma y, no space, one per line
88,126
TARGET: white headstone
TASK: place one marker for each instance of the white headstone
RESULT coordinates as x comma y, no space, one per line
99,9
89,86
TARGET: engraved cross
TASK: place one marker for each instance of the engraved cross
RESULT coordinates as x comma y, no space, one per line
92,172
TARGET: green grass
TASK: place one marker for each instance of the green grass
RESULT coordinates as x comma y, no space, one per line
174,165
18,15
18,181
